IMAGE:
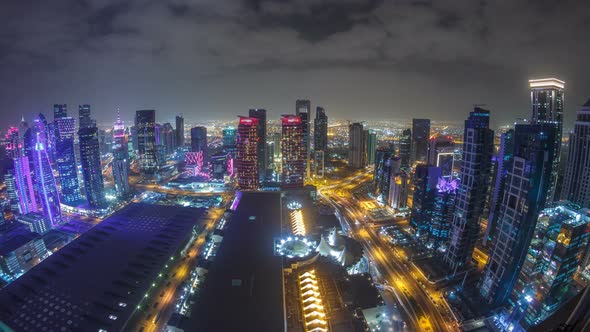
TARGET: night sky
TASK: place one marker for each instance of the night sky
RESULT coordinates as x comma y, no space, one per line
363,60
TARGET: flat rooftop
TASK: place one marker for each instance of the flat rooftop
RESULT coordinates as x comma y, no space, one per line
14,236
244,286
96,281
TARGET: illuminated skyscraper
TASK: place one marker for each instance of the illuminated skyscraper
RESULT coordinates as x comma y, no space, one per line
356,148
420,139
46,185
199,140
11,143
405,148
381,174
293,151
371,147
66,160
120,159
260,114
547,102
527,181
145,124
320,135
442,216
247,154
303,111
84,118
229,140
167,138
554,254
11,189
179,131
478,148
425,181
576,184
90,162
24,185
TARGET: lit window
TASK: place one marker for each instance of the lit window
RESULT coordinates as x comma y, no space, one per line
122,304
112,317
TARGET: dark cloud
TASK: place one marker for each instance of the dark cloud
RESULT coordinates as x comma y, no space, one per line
216,58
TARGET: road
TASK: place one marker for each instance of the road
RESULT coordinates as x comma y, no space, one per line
166,292
422,306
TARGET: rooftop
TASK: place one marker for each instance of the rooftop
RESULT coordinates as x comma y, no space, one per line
244,282
14,236
97,280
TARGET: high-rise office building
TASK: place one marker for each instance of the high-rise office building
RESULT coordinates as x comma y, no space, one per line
502,161
36,222
66,160
526,185
120,162
229,140
320,132
260,114
576,184
356,148
46,185
60,111
381,170
167,138
441,152
11,189
11,143
398,190
420,139
303,110
84,117
179,131
247,154
24,185
478,148
547,102
293,151
553,256
442,216
405,148
145,124
90,162
199,140
371,147
425,181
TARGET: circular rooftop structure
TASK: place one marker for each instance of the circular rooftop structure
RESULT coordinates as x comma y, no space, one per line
295,247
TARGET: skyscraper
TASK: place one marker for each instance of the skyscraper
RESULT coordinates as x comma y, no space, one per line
90,162
478,147
303,110
120,162
425,181
527,182
260,114
293,151
167,138
60,111
371,147
576,184
24,185
320,135
84,117
11,189
420,139
199,140
145,124
442,216
553,256
356,148
247,154
405,148
46,185
229,140
180,131
66,160
547,99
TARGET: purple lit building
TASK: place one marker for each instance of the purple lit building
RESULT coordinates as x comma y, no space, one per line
442,216
24,185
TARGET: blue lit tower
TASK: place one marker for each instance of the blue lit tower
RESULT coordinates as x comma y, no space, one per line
66,160
120,159
547,102
525,196
554,254
46,185
24,185
60,111
478,148
442,216
425,181
90,162
230,135
576,184
260,114
405,148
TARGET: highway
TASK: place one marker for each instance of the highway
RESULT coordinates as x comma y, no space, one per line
422,307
